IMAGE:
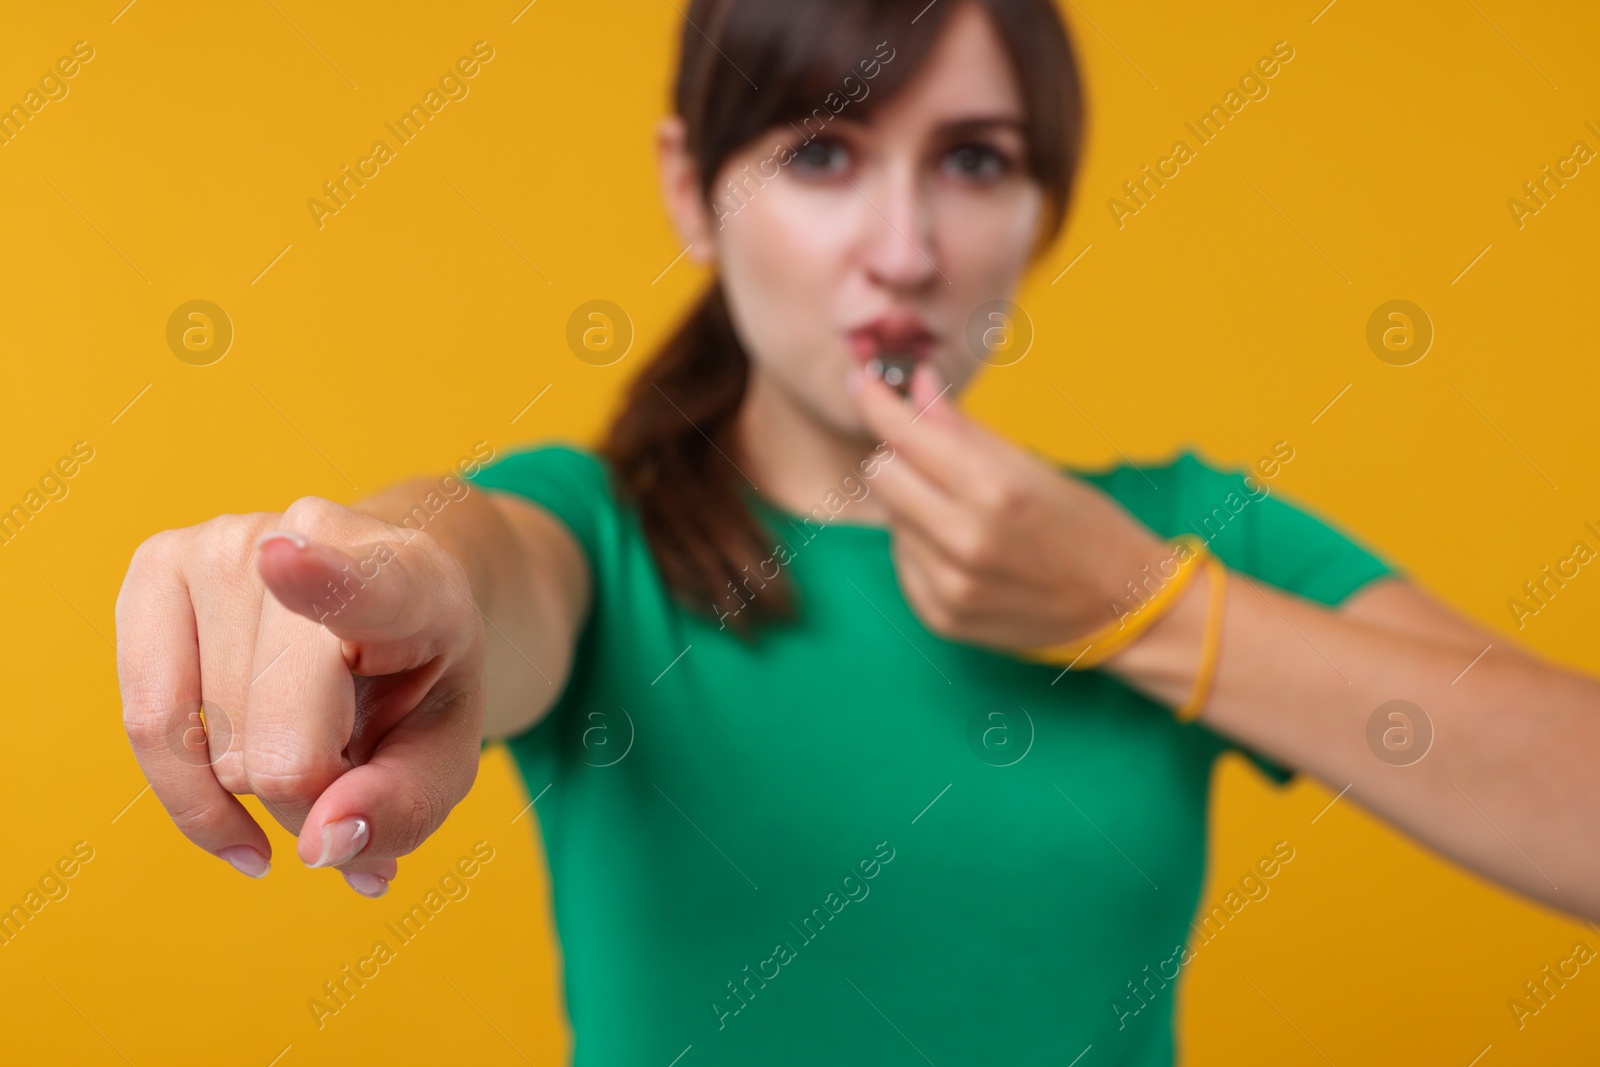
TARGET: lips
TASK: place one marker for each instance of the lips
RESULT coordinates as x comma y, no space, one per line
901,333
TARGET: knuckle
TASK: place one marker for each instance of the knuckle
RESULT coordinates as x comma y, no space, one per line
953,584
418,820
973,545
960,599
197,820
932,608
236,541
420,555
940,619
311,513
146,730
431,799
215,732
155,547
417,538
421,544
1001,497
989,494
297,782
230,774
151,557
227,549
449,588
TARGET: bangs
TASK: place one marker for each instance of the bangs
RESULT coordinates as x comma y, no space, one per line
748,66
777,63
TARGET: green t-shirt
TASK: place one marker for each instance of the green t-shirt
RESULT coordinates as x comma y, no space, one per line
854,841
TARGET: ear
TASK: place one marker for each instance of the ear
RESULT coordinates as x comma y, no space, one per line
680,191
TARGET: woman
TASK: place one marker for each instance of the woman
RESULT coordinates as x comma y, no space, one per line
849,725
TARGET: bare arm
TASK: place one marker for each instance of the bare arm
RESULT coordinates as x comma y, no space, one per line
995,547
1507,787
529,579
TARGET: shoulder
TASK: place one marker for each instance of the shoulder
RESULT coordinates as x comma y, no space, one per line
570,481
503,470
1167,494
551,468
1185,465
1246,520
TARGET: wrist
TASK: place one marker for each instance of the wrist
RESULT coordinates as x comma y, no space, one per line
1170,640
1160,585
1144,574
1166,661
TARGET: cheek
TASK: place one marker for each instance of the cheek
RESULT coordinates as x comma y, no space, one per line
985,244
788,249
987,241
785,265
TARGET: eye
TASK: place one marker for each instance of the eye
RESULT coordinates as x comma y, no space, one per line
976,162
821,158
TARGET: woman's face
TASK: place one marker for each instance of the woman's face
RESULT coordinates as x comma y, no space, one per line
880,235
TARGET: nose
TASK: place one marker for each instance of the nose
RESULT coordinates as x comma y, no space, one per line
900,253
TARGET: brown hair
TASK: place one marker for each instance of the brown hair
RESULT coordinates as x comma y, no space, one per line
672,445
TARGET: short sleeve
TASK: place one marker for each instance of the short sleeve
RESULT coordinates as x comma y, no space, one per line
1254,529
563,479
1257,529
1261,532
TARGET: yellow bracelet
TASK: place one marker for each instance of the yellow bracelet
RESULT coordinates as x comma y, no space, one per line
1102,643
1210,645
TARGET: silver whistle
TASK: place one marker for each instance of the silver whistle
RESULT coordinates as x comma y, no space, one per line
895,369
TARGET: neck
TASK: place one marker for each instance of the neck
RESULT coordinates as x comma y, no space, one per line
797,461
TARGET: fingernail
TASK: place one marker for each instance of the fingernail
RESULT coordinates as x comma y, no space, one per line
342,841
368,885
852,380
281,535
245,860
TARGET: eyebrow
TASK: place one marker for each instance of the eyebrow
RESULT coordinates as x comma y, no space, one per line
946,130
979,123
957,127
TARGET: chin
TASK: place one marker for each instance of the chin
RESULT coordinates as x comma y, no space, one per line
837,416
821,400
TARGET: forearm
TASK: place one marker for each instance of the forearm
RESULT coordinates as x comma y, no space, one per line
1507,786
529,635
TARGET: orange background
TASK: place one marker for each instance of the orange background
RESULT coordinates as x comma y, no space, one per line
427,314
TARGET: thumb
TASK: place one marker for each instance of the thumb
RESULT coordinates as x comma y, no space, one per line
891,415
927,427
386,807
930,396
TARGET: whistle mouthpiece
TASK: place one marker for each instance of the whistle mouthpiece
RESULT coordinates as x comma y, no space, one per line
895,369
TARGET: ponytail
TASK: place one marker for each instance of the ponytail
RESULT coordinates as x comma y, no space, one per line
673,447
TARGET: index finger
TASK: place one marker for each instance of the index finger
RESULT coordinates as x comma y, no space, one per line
359,594
927,428
381,598
158,671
